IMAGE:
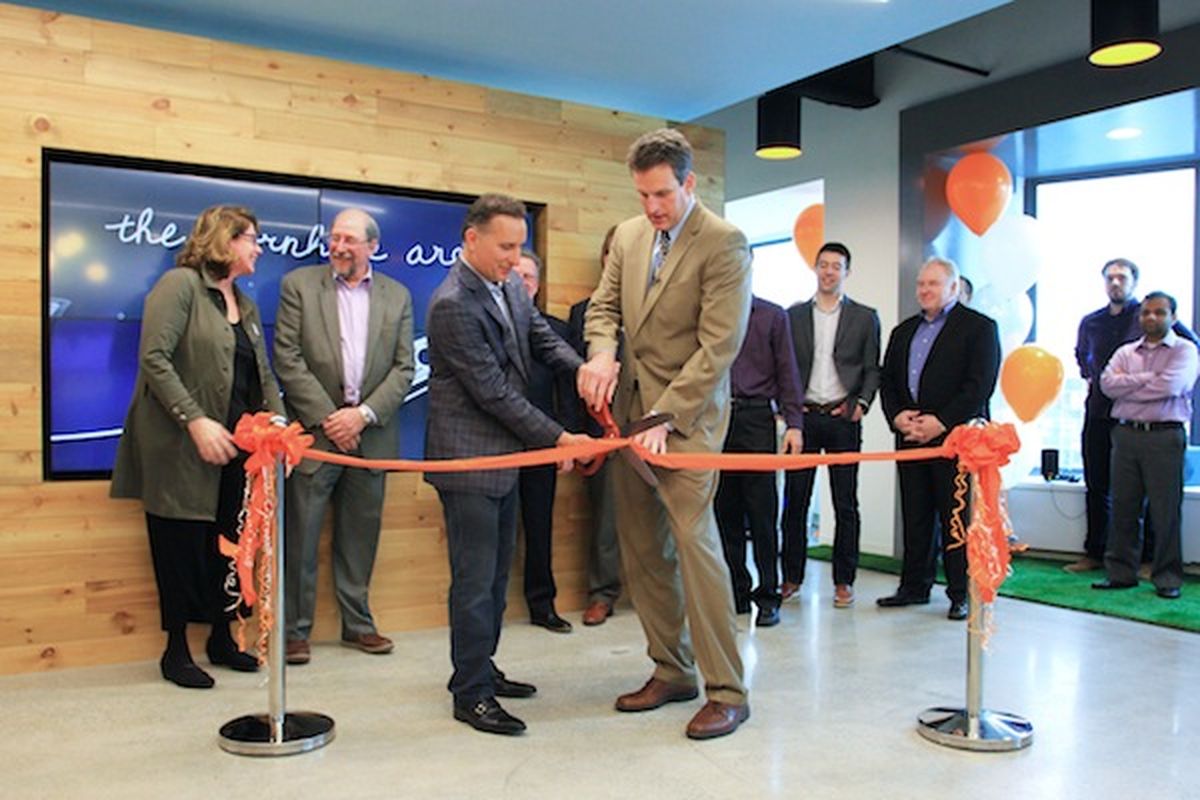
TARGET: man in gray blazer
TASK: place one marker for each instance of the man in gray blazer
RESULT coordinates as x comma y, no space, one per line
344,355
837,353
484,333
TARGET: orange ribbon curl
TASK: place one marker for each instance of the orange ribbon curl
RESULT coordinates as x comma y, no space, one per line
252,558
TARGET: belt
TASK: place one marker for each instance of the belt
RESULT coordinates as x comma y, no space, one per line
1138,425
753,402
824,408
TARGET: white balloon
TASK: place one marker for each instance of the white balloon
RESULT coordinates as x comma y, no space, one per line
1010,255
1013,315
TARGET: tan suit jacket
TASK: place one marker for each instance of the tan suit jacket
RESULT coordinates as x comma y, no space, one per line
682,334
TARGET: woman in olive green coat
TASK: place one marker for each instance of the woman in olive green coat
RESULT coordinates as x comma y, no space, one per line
202,364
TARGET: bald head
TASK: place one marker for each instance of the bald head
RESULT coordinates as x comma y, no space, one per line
353,239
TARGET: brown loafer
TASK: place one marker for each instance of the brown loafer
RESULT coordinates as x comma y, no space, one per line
717,719
297,651
597,612
371,643
654,694
788,589
843,595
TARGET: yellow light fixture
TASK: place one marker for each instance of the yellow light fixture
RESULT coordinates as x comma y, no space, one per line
778,126
1124,32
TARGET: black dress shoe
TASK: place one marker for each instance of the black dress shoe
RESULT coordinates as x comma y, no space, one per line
900,599
185,674
552,622
958,610
1107,584
506,688
486,715
767,616
229,656
1168,592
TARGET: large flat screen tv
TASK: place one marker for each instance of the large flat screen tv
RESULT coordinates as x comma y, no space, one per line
114,225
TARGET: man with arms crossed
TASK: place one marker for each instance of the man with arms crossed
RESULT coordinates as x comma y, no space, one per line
677,281
836,342
1150,382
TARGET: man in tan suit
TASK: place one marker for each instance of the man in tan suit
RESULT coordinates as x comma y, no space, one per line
677,281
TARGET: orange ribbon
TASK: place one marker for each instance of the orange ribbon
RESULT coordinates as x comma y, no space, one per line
252,558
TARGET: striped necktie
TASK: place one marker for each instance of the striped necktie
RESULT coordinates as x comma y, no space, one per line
660,255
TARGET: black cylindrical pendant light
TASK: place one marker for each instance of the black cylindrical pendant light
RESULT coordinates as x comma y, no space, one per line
1124,32
778,126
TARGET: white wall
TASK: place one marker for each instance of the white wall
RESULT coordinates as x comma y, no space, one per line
857,155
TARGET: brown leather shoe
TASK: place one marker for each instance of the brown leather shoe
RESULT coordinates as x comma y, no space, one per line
788,589
717,719
1084,564
654,694
843,595
371,643
597,612
297,651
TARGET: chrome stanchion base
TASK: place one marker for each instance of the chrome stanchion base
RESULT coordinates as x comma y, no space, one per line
251,735
998,731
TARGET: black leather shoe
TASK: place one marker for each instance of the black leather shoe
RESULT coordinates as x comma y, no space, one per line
486,715
900,599
1107,584
552,622
185,674
958,610
767,616
1168,592
506,688
230,656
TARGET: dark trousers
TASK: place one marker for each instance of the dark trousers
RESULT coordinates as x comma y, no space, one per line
1147,467
535,486
927,494
480,536
830,434
750,498
1097,476
604,556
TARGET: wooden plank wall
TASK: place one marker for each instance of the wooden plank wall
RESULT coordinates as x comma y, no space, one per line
76,587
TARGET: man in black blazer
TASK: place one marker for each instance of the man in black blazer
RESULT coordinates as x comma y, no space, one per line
836,342
554,395
484,333
939,371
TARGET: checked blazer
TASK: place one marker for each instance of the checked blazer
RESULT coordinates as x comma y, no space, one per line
479,378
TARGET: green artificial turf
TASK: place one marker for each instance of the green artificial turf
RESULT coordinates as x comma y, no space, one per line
1042,580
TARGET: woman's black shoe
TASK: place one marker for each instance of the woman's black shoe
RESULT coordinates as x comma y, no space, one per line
228,655
185,674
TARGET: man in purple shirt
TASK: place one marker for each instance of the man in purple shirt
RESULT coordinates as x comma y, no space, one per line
1150,383
344,356
1100,334
764,381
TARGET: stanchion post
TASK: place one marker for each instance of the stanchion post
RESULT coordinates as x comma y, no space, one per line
974,727
277,733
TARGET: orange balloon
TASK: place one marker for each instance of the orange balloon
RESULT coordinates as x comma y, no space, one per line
978,189
1031,379
809,233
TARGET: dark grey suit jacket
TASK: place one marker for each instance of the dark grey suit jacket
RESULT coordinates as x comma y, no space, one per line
479,379
855,347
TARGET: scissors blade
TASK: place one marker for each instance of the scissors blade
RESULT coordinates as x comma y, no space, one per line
640,467
645,423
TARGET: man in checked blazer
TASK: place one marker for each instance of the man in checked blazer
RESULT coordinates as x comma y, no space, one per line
344,356
484,333
677,280
836,342
939,371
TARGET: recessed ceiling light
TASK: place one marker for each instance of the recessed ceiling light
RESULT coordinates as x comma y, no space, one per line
1117,134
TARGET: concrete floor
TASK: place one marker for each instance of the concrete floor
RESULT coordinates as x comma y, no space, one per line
834,695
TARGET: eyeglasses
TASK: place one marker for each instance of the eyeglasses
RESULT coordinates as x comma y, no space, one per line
348,241
248,235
